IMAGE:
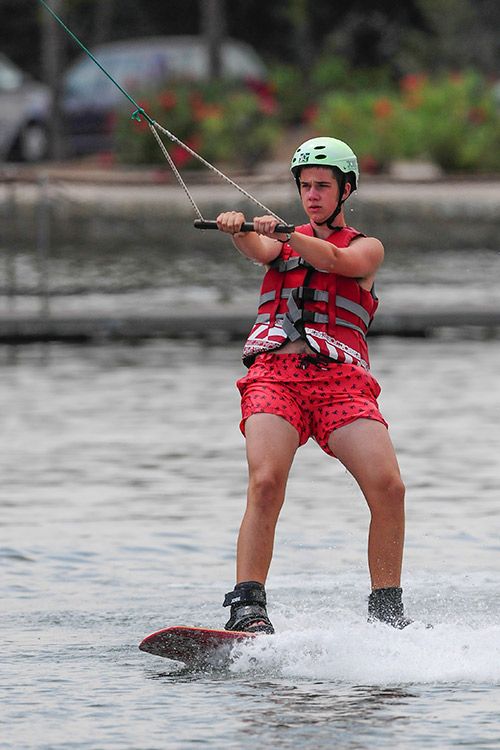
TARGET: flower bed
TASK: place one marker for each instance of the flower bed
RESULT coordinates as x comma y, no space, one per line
222,124
453,121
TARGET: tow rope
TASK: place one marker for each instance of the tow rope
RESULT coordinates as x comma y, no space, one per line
155,127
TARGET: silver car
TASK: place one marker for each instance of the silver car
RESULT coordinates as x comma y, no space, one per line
24,107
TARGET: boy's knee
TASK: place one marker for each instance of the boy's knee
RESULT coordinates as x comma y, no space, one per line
396,489
266,489
388,495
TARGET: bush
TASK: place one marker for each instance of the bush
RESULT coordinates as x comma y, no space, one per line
221,123
298,93
293,96
452,120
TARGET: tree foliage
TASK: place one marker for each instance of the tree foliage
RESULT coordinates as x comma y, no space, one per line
410,34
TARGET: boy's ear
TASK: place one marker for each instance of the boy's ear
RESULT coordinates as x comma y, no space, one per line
347,190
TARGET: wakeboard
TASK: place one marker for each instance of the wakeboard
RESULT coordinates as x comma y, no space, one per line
193,646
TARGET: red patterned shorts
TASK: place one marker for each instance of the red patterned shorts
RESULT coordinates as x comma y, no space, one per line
314,396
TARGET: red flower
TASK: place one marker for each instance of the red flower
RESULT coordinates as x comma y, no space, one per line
412,82
382,108
266,95
310,113
267,104
141,124
261,88
198,106
167,100
180,156
477,115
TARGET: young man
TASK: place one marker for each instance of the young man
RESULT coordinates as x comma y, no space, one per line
309,377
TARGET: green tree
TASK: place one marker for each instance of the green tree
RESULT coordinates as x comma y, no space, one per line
465,33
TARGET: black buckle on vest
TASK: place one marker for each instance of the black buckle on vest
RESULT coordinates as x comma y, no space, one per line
307,294
308,316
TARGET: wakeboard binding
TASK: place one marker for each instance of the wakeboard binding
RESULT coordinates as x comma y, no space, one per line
248,608
386,605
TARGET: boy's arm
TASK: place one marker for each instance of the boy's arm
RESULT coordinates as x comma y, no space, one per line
360,260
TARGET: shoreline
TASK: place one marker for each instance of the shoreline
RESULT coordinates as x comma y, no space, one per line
120,208
436,214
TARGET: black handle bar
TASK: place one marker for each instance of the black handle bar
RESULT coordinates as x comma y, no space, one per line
247,226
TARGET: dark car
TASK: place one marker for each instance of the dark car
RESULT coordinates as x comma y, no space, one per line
24,107
90,99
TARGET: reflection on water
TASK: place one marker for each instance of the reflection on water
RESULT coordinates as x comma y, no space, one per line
123,483
299,705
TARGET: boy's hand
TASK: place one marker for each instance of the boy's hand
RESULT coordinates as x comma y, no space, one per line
230,221
266,225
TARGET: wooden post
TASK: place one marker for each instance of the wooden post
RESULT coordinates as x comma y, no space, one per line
213,25
43,245
52,45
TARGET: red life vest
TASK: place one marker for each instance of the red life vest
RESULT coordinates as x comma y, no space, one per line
331,312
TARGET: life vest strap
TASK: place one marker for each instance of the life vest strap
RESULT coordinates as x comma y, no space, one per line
305,315
304,293
353,307
289,328
267,297
289,265
313,317
347,324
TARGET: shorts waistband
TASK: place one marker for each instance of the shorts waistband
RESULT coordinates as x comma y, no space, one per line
303,359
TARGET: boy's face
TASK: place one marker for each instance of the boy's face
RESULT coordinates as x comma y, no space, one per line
319,192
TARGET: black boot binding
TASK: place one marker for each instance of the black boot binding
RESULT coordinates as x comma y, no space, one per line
248,608
386,605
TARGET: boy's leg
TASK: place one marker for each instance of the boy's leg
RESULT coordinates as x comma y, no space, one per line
271,443
366,450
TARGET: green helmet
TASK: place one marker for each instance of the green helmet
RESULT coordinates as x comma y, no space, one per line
326,152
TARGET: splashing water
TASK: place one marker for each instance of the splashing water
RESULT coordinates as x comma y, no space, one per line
356,653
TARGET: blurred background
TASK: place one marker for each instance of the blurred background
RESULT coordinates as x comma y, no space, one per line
121,461
414,80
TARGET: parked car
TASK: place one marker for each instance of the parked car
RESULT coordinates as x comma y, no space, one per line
24,107
90,99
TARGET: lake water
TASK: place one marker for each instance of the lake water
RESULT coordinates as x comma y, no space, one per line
204,269
123,483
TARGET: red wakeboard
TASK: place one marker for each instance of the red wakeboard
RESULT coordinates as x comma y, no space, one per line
193,645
